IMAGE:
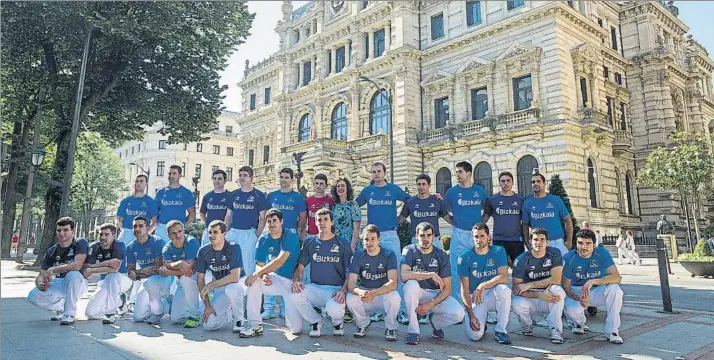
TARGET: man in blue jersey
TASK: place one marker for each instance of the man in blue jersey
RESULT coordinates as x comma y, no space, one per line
424,207
223,258
215,203
138,204
544,210
537,276
329,259
143,258
505,209
484,285
176,202
465,201
276,257
61,284
179,258
426,274
107,257
376,269
590,278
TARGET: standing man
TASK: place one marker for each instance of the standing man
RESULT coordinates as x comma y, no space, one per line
376,269
544,210
426,274
537,276
590,278
175,202
143,257
316,202
425,208
215,203
329,259
465,201
505,208
276,258
65,260
223,258
138,204
179,258
484,285
108,258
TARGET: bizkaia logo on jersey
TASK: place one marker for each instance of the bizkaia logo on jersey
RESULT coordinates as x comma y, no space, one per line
369,276
502,211
480,274
542,215
589,275
220,267
239,206
424,214
210,206
462,202
136,212
538,274
375,202
325,259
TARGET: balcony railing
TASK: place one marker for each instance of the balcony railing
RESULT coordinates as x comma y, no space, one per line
374,141
592,117
224,134
333,145
623,138
518,118
299,147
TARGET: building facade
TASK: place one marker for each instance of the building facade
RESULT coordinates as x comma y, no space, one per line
582,89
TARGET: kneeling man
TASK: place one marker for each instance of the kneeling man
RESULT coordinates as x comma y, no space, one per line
179,256
108,258
143,258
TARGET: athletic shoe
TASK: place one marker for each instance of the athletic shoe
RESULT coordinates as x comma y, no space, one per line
154,319
339,330
527,331
57,316
315,329
424,320
348,317
390,335
108,319
192,322
412,339
402,318
436,334
252,331
67,320
592,310
237,327
268,314
502,338
615,338
361,331
555,336
578,329
377,316
491,318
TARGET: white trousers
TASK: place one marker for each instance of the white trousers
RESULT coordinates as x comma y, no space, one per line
437,242
247,241
280,287
447,312
148,300
318,296
629,255
104,301
461,241
204,237
162,232
185,304
524,307
498,299
390,241
62,295
559,244
610,296
228,305
126,236
389,303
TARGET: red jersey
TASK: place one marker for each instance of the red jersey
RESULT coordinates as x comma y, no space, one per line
313,205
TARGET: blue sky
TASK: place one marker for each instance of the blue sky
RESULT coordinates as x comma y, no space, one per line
698,15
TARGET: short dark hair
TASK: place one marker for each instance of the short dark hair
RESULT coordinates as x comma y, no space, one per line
371,228
586,234
465,165
350,191
481,226
424,177
322,177
142,218
542,177
424,226
222,225
274,212
66,220
110,227
219,171
380,163
177,168
325,211
247,169
288,171
144,176
505,173
539,231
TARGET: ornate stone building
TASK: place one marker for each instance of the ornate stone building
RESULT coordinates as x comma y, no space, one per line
578,88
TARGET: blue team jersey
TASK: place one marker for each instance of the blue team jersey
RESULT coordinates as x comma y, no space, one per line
424,210
545,212
382,205
291,204
143,255
189,251
330,260
215,205
98,254
220,262
131,207
579,269
246,208
173,204
373,270
269,249
465,205
506,214
437,261
57,255
481,268
530,268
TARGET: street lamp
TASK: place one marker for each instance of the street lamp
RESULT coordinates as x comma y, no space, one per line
38,157
147,172
388,97
196,179
297,160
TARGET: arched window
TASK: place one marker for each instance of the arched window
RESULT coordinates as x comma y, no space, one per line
304,128
443,180
591,182
338,128
628,193
379,113
525,171
483,175
618,183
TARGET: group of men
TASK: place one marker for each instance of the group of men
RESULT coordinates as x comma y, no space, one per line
301,259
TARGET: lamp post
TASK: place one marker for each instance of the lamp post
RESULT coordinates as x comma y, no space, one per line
196,193
147,172
388,97
297,160
38,157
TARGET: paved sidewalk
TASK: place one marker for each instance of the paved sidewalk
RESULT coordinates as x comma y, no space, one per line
28,334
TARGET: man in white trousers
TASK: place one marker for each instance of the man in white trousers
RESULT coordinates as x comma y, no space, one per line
179,258
545,210
215,203
590,278
65,260
536,285
484,285
143,258
223,258
108,258
175,202
329,259
137,204
276,257
426,273
376,269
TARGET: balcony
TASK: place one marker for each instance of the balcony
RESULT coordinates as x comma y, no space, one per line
264,169
518,118
342,146
223,134
299,147
368,143
621,142
597,119
454,132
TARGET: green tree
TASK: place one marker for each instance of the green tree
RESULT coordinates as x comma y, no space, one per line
148,62
684,165
195,229
556,188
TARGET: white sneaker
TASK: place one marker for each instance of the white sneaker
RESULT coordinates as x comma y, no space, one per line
57,316
339,330
402,318
555,336
578,329
315,329
67,320
377,316
108,319
543,322
615,338
237,327
154,319
491,318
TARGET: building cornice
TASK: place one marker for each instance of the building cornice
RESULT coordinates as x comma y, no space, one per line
633,9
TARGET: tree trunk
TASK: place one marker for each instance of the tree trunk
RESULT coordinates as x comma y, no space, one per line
17,150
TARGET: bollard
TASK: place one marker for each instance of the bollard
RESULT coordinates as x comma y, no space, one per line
663,275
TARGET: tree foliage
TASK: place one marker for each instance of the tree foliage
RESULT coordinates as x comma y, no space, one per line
556,188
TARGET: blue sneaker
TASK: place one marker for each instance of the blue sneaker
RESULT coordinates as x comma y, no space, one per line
502,338
412,339
436,334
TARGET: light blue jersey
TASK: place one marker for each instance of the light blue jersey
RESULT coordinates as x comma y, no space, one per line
144,255
579,269
382,204
174,203
545,212
291,204
481,268
131,207
466,205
